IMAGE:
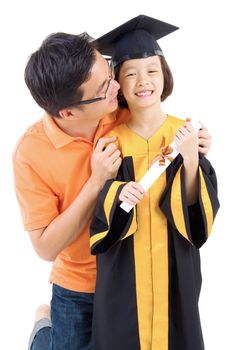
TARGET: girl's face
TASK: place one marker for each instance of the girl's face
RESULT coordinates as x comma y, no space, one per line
141,81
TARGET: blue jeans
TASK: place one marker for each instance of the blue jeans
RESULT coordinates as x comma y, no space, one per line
71,316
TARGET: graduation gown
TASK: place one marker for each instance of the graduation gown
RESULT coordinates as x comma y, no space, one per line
148,263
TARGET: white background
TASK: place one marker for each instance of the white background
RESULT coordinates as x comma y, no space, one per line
200,57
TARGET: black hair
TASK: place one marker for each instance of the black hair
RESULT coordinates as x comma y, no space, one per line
168,82
55,72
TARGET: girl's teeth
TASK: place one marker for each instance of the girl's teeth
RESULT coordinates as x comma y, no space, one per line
144,93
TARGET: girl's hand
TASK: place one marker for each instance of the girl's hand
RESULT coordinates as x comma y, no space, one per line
132,193
186,140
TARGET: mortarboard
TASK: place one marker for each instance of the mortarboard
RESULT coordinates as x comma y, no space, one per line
134,39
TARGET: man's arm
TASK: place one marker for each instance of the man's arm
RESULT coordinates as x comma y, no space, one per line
49,241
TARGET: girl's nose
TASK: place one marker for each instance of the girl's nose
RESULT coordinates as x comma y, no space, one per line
142,79
142,82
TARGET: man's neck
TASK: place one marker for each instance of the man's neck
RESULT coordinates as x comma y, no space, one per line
77,128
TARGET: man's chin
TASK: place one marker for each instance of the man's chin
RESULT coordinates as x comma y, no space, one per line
114,103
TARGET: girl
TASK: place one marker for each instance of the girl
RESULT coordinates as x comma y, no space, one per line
148,263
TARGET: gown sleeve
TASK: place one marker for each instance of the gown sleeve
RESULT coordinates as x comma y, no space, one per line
193,222
110,223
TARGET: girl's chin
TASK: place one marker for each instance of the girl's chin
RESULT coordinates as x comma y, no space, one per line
144,104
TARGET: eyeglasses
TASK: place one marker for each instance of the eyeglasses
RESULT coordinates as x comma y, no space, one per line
111,77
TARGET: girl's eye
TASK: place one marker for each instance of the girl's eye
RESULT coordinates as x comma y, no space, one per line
152,71
130,75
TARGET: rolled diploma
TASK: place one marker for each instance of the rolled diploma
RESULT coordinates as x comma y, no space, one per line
156,170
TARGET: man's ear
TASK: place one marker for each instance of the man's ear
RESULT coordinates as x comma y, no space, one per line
68,113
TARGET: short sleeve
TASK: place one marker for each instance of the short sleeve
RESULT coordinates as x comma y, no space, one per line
38,203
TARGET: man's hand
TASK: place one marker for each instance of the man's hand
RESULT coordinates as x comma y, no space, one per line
204,140
105,161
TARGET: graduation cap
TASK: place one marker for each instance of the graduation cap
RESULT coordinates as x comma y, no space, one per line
136,38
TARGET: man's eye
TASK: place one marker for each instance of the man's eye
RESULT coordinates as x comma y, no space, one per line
104,87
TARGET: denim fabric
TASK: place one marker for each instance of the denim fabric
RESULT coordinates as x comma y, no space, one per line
71,316
41,331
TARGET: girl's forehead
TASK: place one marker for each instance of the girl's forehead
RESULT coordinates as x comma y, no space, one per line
152,60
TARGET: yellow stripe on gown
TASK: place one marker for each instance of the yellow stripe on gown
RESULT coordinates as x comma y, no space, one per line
150,240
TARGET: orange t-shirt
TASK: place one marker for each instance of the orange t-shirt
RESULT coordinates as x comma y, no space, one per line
50,170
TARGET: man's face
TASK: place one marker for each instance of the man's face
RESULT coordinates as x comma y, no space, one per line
101,84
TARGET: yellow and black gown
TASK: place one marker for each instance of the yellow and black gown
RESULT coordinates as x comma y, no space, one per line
148,263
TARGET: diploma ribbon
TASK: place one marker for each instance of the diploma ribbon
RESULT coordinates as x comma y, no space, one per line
164,154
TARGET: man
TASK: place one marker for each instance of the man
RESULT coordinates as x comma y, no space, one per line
60,165
60,169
